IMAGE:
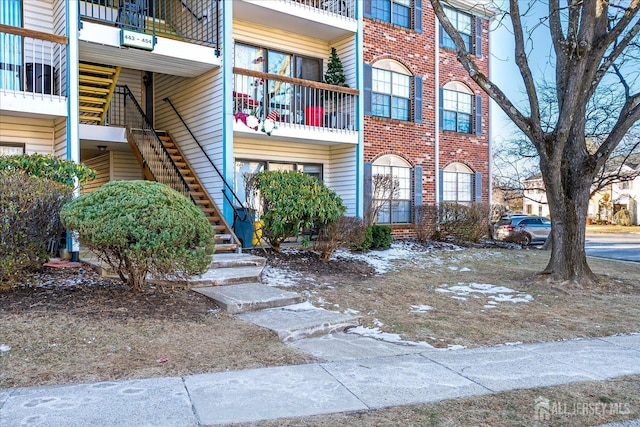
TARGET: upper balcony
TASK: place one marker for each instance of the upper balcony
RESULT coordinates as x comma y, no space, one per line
301,110
320,19
177,37
32,79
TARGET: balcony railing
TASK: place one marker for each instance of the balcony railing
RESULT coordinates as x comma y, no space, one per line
346,8
32,61
195,21
294,102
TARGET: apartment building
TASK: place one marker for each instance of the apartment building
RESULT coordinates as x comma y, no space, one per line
426,123
199,93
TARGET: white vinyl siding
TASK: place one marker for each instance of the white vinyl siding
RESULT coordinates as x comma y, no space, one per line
198,100
338,162
124,166
36,134
133,79
112,166
101,166
342,175
38,15
282,41
60,138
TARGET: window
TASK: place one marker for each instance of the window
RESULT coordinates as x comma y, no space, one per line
391,91
7,149
457,108
398,12
462,23
274,95
391,190
457,184
245,168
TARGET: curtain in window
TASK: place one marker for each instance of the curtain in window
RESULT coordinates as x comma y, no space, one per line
10,46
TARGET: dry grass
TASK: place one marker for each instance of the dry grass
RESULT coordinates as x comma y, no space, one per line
103,337
616,400
386,301
599,229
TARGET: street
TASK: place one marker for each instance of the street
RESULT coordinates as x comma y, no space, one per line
616,246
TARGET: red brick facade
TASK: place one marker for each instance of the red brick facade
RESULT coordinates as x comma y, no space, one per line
415,142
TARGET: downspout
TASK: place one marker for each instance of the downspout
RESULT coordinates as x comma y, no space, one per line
73,129
360,113
227,107
437,112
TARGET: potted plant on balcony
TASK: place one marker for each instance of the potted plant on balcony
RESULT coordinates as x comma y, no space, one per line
335,76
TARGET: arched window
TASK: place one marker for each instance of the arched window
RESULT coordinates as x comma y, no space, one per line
391,189
457,184
391,90
457,108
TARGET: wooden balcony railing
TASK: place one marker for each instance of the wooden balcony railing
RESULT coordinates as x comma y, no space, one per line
32,61
294,101
195,21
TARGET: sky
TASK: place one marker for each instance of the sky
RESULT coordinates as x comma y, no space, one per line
503,70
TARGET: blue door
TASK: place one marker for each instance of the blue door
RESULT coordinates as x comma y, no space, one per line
11,46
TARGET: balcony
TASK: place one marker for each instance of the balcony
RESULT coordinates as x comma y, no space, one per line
32,81
325,20
302,110
177,37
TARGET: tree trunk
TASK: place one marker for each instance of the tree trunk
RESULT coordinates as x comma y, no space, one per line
568,196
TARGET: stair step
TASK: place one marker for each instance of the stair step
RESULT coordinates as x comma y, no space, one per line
247,297
93,89
92,100
202,202
226,276
96,69
171,151
90,119
207,210
87,109
221,237
298,321
197,193
219,227
236,260
226,247
84,78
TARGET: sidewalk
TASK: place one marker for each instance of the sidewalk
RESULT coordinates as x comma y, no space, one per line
412,375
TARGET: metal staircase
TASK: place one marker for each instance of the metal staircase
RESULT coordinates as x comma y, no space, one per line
97,85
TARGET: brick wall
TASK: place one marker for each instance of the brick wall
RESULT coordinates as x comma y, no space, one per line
415,142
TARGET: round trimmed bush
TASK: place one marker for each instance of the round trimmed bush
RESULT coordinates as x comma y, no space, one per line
142,227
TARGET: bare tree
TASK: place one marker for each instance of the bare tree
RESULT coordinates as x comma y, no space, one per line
384,189
595,45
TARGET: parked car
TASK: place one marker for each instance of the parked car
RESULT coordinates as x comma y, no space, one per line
523,229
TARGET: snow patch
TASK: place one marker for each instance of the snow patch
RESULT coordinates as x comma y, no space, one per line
272,276
495,294
4,348
375,333
303,306
420,308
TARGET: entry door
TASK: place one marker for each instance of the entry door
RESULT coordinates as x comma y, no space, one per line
11,46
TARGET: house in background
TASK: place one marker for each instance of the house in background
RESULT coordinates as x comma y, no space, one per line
620,189
534,199
426,123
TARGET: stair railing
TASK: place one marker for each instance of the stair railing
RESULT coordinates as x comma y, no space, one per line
238,213
154,154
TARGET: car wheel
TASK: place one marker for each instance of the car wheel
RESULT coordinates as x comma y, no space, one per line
526,239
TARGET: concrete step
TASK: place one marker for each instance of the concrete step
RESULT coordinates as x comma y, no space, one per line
227,276
249,297
298,321
236,260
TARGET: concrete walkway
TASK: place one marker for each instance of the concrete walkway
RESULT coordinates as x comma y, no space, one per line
388,375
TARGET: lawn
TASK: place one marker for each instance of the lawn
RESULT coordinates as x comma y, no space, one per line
73,327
